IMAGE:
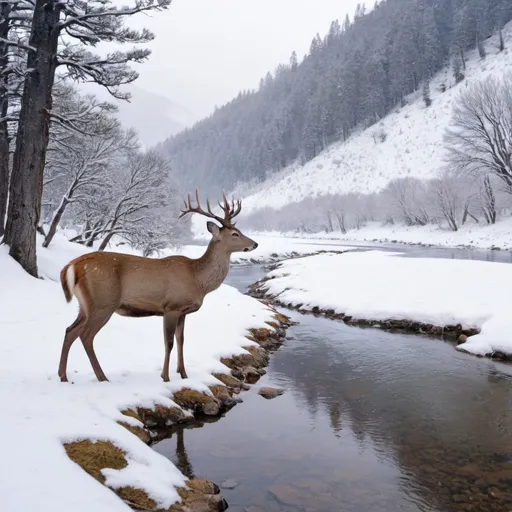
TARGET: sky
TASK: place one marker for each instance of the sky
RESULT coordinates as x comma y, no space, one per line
206,51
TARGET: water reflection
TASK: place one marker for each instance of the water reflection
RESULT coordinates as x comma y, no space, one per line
370,422
181,456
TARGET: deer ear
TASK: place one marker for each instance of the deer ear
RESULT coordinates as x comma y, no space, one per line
213,228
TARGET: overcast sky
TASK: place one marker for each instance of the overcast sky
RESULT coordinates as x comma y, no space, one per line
206,51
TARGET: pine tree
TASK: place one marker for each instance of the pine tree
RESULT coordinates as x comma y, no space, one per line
458,73
426,94
293,61
481,48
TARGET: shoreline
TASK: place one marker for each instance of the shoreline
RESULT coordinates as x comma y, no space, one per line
452,333
390,240
154,423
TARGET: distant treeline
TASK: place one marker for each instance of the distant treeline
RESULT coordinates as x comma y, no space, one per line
352,77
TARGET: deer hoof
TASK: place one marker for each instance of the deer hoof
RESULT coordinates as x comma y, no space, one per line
63,378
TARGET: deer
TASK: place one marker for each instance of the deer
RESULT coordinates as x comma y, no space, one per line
173,287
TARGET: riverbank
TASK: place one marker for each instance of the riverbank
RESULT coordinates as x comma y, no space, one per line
106,427
471,236
376,421
461,299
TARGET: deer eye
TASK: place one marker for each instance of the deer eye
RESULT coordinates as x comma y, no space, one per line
235,234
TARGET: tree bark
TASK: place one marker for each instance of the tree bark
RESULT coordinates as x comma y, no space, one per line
56,219
26,185
5,9
106,241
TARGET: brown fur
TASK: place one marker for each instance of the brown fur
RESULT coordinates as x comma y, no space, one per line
64,283
106,283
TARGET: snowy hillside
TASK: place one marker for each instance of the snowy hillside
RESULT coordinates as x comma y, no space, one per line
407,143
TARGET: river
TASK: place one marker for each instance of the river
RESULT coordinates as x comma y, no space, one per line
369,421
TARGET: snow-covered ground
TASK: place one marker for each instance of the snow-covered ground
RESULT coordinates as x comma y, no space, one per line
413,145
478,236
40,413
270,248
376,285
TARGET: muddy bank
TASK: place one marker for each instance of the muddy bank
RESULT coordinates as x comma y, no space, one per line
193,408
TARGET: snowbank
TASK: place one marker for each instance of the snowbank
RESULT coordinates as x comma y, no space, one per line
477,236
382,286
40,413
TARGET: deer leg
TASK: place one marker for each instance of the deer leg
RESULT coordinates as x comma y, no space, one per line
72,333
180,339
170,321
91,329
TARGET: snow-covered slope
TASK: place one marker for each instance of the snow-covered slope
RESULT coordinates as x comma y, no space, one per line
413,145
40,413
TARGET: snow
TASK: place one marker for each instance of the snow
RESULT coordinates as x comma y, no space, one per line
40,413
270,247
413,146
477,236
377,285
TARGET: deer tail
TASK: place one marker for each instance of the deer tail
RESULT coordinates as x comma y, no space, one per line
68,281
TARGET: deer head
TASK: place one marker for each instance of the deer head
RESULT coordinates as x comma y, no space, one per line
227,235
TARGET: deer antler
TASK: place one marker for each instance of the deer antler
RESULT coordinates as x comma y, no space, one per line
230,211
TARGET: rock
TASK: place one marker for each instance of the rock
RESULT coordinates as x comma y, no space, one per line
252,375
229,484
211,408
203,486
462,339
437,330
270,393
161,416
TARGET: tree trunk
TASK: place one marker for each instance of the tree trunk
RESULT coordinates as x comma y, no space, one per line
106,241
5,9
56,219
26,187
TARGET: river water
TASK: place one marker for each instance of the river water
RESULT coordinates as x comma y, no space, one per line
369,421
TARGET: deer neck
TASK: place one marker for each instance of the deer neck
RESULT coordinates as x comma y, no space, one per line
213,267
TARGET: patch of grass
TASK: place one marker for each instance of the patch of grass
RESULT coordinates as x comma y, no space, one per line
136,498
190,398
228,380
93,457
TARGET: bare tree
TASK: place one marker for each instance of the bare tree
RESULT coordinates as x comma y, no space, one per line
487,199
448,198
83,23
137,189
479,141
80,159
340,212
408,197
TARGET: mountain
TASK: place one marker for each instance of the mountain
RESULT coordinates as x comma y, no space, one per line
351,79
152,115
407,143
